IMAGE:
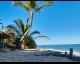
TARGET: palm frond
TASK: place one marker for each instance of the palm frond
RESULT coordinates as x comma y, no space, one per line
34,32
27,21
41,37
17,24
20,4
26,27
31,4
21,25
43,5
13,28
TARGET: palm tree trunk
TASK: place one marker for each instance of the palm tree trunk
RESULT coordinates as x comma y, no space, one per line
22,46
31,17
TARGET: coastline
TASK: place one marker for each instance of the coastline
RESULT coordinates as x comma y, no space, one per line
33,55
29,55
59,50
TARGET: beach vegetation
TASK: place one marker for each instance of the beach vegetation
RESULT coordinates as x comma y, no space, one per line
29,39
31,6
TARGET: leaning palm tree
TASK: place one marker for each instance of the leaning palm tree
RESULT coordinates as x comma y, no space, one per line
31,6
20,29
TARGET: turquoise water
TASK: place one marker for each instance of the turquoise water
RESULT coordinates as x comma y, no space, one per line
76,47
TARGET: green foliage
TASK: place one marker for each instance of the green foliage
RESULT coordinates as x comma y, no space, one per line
43,5
24,29
17,42
34,32
28,41
32,5
41,37
20,4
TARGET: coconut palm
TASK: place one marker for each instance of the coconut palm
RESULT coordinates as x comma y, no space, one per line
20,29
31,6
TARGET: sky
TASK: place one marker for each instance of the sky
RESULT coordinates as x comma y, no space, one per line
60,22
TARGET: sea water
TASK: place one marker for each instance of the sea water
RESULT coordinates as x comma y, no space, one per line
66,47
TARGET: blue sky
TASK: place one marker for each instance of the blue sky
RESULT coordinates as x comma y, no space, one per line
60,22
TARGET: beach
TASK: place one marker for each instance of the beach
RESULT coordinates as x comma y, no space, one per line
30,56
32,35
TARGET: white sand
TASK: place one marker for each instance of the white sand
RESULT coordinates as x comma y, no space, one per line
28,56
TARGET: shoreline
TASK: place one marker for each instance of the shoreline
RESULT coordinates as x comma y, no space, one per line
58,50
63,51
32,55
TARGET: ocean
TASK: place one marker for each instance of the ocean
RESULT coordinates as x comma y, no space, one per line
66,47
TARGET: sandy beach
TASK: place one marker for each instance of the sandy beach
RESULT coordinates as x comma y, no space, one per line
29,56
47,31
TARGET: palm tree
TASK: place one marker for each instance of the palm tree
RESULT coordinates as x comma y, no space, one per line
20,29
31,6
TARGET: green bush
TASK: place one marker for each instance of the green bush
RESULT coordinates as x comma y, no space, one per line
28,41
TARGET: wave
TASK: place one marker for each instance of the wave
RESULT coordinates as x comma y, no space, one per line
62,51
